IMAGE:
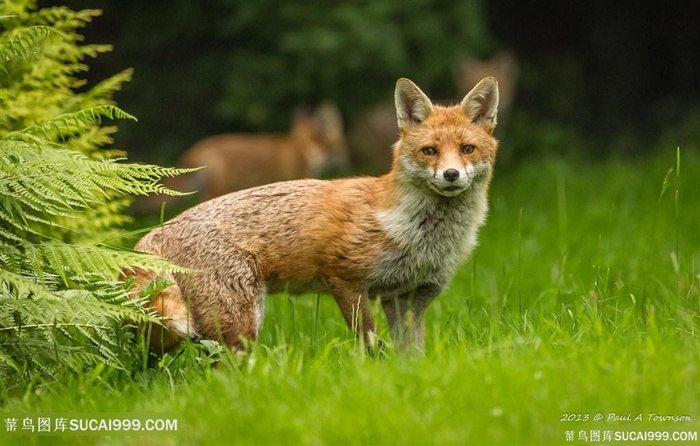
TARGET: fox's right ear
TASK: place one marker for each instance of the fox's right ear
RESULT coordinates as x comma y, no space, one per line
412,105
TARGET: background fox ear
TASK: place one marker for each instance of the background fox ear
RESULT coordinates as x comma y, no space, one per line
481,104
412,105
302,114
329,122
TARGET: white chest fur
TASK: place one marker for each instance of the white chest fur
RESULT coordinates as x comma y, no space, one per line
432,235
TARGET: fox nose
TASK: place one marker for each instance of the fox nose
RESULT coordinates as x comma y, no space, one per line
451,175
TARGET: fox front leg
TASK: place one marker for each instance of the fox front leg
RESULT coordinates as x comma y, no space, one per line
406,316
353,301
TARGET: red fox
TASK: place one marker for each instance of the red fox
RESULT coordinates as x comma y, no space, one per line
373,131
239,161
399,237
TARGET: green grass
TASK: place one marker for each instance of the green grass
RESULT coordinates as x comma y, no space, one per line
583,298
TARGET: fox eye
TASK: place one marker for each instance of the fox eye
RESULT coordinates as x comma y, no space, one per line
467,149
429,150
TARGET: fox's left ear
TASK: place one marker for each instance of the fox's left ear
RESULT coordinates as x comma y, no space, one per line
481,104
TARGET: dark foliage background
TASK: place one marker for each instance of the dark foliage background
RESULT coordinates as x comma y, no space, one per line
595,77
622,75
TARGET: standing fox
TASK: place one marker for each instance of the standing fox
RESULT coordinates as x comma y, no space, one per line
399,237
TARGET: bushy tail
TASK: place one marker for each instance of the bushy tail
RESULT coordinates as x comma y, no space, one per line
168,304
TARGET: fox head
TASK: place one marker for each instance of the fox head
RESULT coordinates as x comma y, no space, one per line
322,137
446,150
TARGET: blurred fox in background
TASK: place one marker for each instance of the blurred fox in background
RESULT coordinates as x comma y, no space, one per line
315,144
373,132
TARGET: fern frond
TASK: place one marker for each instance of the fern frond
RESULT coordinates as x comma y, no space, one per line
63,18
68,124
9,235
24,43
78,308
61,193
74,331
18,222
74,262
38,181
17,285
93,141
109,86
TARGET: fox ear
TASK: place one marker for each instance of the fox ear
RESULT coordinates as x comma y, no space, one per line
329,121
481,104
412,105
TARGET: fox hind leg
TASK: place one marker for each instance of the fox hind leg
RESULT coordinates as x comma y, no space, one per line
229,301
235,318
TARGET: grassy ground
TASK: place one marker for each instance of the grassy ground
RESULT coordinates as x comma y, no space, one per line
582,302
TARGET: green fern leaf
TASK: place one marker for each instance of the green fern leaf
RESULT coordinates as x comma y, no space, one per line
24,43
